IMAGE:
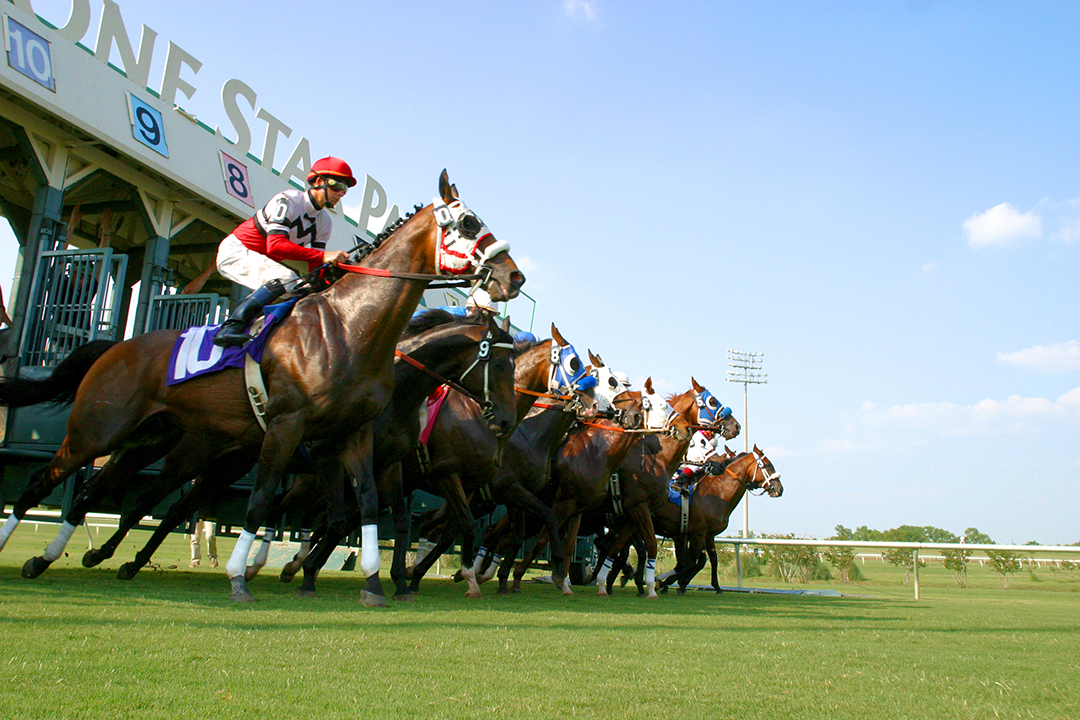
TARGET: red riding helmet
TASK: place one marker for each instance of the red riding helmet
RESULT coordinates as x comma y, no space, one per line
333,167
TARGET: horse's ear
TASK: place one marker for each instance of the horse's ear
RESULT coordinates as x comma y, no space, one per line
595,359
446,191
557,336
506,324
648,385
757,450
694,384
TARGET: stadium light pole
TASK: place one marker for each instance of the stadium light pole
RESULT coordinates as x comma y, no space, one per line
746,369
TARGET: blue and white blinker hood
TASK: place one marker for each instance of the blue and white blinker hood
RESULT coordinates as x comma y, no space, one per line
460,234
710,410
568,373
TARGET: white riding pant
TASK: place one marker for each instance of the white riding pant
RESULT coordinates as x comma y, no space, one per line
247,267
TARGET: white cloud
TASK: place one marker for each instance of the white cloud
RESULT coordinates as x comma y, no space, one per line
1001,225
580,8
1058,358
931,267
913,426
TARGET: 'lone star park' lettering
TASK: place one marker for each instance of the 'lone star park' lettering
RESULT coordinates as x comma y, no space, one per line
113,33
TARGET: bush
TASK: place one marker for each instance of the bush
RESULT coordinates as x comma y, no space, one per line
791,563
843,558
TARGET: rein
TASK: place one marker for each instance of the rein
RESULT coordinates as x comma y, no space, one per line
442,280
425,369
553,396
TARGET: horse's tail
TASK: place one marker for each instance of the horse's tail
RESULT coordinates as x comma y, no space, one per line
59,387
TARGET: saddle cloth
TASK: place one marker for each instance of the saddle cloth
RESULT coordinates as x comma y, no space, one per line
195,353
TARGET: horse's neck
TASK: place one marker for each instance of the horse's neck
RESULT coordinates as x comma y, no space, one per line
609,446
412,385
730,485
685,407
374,311
531,373
546,428
672,452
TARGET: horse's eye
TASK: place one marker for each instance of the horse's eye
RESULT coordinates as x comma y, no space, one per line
469,226
575,364
612,383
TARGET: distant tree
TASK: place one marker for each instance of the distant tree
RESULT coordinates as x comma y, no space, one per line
791,563
843,558
1005,563
955,560
902,557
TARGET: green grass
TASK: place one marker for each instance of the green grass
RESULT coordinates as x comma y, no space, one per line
168,644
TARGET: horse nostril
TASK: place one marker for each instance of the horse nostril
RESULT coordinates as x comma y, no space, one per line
517,278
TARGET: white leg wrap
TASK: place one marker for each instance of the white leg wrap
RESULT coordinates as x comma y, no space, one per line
7,529
493,568
602,576
650,576
237,564
665,576
305,545
479,559
264,550
369,550
423,547
56,548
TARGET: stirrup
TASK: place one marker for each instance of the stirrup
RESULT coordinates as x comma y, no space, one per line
231,335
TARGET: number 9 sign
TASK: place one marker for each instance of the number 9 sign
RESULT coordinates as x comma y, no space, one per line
147,126
236,179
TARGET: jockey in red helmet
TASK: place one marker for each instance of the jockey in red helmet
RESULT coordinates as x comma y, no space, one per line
293,225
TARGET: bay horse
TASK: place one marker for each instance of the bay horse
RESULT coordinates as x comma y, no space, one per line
644,466
581,466
461,467
328,369
435,345
717,495
397,431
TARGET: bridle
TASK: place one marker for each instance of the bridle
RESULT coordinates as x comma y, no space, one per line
483,358
563,382
753,483
457,250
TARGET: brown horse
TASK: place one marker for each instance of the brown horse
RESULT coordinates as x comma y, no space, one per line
715,497
328,369
644,467
460,467
580,469
475,350
397,431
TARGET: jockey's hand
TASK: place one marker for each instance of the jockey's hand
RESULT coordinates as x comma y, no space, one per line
333,257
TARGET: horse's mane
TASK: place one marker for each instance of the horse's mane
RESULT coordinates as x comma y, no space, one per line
362,251
436,317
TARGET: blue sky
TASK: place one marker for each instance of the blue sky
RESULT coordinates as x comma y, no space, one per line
881,197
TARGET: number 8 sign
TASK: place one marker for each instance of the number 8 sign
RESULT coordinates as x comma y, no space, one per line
147,126
236,179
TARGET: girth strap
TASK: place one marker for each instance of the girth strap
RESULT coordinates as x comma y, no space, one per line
253,380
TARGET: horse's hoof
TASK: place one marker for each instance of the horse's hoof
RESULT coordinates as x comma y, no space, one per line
289,571
370,599
457,577
474,594
301,592
404,597
503,591
128,570
34,567
95,557
682,591
653,596
240,593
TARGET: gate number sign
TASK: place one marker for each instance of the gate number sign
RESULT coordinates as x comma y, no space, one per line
237,183
28,53
147,126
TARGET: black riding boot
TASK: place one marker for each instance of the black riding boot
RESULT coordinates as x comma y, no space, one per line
234,330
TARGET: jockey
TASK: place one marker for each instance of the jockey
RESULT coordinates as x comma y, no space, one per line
702,445
293,225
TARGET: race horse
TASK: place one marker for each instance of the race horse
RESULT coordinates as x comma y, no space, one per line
435,346
716,495
633,489
552,381
328,370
